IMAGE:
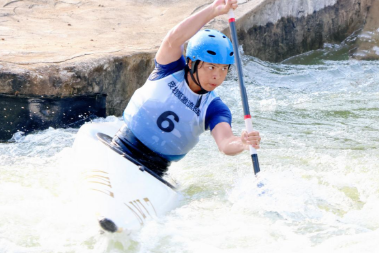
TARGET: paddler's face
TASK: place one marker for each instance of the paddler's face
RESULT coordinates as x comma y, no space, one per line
211,75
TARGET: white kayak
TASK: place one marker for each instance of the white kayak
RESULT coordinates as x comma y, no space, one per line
120,192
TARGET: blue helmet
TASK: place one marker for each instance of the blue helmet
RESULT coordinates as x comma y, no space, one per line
210,46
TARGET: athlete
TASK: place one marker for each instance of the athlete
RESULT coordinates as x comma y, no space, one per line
165,117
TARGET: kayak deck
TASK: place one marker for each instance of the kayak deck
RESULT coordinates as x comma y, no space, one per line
107,140
122,193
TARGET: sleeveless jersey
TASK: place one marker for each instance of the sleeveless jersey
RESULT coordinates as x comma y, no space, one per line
167,116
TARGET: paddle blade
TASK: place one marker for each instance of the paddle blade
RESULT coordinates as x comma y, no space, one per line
254,157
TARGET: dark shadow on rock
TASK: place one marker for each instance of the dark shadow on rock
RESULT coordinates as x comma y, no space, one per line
27,114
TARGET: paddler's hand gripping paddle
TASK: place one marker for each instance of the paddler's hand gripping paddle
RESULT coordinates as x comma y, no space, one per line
245,104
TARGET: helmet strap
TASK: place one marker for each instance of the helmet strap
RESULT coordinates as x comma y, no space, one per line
192,71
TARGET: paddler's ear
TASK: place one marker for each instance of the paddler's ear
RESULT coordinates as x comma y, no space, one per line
189,64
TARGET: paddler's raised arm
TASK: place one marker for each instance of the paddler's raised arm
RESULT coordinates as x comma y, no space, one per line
171,48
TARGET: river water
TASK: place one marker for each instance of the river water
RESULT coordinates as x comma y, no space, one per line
318,117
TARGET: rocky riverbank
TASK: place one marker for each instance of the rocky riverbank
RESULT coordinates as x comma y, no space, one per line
64,49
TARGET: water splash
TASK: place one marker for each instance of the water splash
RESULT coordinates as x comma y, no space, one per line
319,157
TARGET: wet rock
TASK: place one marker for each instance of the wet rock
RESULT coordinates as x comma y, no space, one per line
303,26
26,113
367,45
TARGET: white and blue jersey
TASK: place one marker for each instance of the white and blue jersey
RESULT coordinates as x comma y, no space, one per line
168,117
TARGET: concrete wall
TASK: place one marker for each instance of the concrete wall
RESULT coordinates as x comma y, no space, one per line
117,77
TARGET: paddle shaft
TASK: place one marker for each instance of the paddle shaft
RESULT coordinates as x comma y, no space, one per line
245,103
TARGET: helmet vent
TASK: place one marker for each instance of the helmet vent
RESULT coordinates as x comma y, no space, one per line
211,36
231,54
211,52
224,36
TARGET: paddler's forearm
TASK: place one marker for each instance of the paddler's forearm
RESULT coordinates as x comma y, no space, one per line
232,146
172,45
189,27
171,48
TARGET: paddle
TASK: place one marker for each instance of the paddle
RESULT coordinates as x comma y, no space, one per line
245,104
